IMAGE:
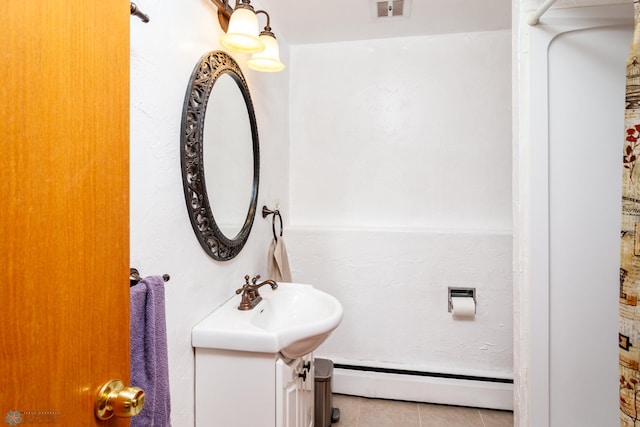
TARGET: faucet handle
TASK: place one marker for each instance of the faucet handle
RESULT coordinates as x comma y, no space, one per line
255,279
246,284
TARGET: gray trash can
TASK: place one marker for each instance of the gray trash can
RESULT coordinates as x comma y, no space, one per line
325,413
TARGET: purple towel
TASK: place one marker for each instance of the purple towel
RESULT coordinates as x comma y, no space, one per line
149,362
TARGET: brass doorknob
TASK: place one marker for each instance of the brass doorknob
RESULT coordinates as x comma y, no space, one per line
116,399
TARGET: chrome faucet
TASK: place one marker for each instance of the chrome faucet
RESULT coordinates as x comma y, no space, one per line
250,295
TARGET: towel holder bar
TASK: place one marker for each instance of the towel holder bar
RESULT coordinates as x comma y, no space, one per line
276,213
135,11
134,277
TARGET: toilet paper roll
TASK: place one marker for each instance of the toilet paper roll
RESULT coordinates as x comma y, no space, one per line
463,306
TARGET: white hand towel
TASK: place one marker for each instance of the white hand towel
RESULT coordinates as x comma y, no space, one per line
278,261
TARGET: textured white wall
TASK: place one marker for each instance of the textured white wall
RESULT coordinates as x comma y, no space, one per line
163,55
393,286
400,187
405,174
411,132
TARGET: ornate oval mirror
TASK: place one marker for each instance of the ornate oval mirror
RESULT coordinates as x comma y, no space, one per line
220,155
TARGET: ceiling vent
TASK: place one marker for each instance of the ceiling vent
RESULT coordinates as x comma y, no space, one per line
386,9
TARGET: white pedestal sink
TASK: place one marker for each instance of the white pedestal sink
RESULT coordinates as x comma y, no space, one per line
255,367
293,320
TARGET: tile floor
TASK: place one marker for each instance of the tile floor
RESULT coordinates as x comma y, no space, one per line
364,412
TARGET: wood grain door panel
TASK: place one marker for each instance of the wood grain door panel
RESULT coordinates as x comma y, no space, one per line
64,207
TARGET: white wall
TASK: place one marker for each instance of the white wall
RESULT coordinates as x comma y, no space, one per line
405,207
400,187
410,132
393,285
569,132
163,55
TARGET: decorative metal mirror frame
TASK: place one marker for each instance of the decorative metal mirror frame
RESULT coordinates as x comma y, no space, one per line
211,66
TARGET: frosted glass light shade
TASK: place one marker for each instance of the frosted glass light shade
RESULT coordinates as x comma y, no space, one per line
242,33
269,59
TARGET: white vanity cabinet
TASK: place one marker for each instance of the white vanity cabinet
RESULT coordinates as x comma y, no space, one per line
294,392
250,389
255,368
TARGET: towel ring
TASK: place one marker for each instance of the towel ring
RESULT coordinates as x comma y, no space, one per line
266,212
273,225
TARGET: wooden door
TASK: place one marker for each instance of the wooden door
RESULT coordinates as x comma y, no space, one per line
64,207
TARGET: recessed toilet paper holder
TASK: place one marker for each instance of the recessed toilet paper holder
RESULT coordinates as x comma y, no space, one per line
461,293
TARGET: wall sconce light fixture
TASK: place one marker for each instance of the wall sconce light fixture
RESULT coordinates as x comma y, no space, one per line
241,35
269,58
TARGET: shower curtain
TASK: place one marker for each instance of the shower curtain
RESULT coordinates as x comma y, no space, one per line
629,333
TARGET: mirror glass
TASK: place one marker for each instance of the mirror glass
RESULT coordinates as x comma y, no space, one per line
220,155
228,155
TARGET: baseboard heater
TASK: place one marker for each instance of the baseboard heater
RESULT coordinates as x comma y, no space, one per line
420,386
422,373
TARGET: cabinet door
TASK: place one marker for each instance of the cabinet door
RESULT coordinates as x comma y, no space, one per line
287,383
295,394
306,393
290,405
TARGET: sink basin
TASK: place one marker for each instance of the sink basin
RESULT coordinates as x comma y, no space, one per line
293,319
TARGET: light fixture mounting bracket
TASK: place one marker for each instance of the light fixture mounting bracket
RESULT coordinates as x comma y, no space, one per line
224,13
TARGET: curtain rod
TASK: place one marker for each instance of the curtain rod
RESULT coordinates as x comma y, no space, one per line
534,19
